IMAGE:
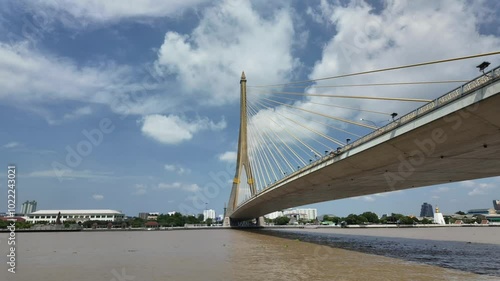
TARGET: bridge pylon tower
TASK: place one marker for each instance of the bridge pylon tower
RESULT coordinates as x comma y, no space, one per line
243,176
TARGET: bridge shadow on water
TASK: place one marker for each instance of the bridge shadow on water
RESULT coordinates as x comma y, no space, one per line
471,257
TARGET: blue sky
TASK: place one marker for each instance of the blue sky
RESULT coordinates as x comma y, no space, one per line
155,84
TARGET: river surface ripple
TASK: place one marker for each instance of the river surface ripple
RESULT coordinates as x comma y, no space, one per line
468,256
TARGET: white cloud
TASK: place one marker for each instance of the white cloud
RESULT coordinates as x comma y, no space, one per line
173,129
177,169
228,156
479,188
170,168
28,76
70,174
11,144
441,189
231,37
468,183
96,11
98,197
82,111
178,185
140,189
27,79
368,198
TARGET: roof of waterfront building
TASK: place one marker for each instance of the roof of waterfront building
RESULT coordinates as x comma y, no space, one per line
55,212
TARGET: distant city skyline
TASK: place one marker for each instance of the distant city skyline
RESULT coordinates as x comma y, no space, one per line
145,215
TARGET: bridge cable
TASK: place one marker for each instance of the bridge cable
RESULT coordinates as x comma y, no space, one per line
314,131
311,130
311,149
278,150
324,115
261,153
338,106
368,85
321,123
387,69
296,138
272,154
343,96
265,154
330,126
256,164
285,144
298,157
253,151
261,160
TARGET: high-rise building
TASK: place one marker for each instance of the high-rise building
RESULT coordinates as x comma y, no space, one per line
426,210
496,205
143,215
28,207
208,214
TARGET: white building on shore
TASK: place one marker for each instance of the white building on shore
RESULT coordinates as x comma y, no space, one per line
307,214
75,215
209,214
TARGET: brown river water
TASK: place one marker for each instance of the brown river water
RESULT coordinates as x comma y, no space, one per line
206,255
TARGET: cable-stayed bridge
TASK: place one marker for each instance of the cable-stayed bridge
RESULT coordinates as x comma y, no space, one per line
298,148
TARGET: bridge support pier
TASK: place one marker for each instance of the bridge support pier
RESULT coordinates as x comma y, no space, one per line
260,221
227,222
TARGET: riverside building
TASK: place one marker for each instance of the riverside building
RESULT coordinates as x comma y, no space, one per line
75,215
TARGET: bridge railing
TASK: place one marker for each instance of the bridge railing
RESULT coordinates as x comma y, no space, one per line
455,94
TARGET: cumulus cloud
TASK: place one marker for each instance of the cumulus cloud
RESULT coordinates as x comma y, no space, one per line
231,37
28,78
478,188
94,11
98,197
178,186
173,129
29,75
228,156
177,169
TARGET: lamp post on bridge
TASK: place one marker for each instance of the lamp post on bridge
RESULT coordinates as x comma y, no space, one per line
393,115
369,121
